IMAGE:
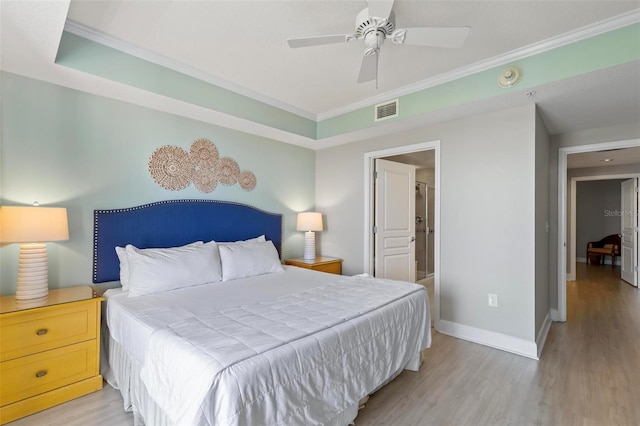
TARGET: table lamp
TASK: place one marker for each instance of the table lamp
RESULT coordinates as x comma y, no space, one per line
309,222
32,227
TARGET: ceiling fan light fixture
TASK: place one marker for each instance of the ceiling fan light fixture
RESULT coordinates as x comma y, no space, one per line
509,77
374,39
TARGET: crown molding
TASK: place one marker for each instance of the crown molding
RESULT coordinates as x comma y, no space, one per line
96,36
583,33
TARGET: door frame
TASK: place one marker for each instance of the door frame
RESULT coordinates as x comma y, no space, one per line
369,158
426,241
563,152
571,274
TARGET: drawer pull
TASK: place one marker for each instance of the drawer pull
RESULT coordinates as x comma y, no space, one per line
41,373
42,332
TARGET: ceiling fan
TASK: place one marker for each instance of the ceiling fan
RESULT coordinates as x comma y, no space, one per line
374,25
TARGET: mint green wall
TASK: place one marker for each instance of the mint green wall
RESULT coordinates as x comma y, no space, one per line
599,52
63,147
88,56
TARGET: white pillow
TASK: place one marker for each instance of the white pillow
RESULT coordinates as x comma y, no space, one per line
158,270
124,261
242,260
259,239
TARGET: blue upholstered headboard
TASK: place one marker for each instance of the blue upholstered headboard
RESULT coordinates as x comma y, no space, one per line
175,223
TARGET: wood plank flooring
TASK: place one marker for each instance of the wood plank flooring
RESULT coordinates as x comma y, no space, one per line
588,375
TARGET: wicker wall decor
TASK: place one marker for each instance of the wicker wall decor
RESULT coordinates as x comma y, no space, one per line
171,167
247,180
203,153
205,180
227,171
174,168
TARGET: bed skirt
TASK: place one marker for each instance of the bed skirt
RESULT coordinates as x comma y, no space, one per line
122,372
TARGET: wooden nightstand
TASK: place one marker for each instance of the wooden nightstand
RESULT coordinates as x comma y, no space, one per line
331,265
49,350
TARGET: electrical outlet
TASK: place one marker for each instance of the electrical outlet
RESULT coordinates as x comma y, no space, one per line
493,300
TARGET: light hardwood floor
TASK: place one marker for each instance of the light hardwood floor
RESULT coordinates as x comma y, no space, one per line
589,374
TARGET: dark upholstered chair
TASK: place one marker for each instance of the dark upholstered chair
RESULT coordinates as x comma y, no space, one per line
608,246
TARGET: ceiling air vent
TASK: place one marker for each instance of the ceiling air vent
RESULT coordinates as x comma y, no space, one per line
386,110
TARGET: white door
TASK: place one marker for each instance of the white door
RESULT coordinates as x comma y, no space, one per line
394,221
629,249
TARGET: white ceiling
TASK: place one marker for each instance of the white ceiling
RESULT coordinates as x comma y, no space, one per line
244,44
615,157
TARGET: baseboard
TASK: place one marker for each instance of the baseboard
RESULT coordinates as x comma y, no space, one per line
492,339
542,335
607,261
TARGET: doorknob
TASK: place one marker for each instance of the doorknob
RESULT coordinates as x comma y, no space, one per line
413,239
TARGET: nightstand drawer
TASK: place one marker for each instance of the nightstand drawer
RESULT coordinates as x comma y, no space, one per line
35,374
332,268
28,333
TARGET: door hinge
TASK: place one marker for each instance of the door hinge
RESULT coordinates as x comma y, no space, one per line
375,174
374,229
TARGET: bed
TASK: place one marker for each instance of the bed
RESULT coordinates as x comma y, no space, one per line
246,341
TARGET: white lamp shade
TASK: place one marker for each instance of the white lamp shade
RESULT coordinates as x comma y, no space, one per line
21,224
33,226
309,221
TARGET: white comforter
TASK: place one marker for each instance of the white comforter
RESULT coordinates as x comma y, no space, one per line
300,358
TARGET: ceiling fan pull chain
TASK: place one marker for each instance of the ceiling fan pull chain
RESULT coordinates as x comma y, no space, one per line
377,59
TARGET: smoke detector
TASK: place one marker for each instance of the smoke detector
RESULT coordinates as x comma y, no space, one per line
510,77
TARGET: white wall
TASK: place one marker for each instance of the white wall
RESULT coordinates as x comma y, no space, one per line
487,214
426,176
541,224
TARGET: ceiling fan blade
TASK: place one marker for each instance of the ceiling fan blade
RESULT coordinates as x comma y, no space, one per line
316,41
369,68
380,8
434,37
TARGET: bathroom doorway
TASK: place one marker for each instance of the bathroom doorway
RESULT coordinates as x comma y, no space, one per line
425,196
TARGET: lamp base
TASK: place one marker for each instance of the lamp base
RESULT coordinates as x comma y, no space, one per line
32,272
309,245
